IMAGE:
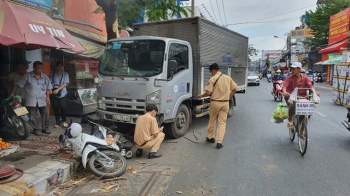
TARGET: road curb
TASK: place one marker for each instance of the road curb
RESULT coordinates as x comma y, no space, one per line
40,179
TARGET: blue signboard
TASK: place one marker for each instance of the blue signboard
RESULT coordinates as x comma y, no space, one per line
45,4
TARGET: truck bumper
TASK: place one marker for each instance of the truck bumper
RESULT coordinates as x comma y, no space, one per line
117,117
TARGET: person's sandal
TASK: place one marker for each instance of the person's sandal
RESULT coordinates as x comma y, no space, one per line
290,125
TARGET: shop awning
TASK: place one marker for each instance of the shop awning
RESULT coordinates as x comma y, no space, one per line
25,27
335,47
91,49
334,61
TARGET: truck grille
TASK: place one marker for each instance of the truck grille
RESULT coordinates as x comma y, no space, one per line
124,105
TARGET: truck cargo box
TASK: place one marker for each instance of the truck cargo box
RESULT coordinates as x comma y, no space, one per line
210,43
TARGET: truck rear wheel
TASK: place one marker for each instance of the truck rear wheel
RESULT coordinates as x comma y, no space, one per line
179,127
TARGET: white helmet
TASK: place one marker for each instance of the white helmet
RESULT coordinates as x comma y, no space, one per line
75,130
296,65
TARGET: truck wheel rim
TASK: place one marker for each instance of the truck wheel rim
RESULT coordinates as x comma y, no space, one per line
181,120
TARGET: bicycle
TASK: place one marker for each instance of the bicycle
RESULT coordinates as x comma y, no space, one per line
303,109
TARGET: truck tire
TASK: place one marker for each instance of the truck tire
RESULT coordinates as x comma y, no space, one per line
180,126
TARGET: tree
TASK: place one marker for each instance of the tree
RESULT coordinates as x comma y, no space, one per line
109,7
163,9
127,11
318,21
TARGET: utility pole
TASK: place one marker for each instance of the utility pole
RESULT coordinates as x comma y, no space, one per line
192,10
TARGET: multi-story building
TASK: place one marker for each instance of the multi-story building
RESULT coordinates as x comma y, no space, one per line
296,46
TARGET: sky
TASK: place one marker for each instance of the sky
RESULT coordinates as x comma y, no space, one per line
279,17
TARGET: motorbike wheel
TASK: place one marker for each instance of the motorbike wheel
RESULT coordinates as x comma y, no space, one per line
21,127
101,167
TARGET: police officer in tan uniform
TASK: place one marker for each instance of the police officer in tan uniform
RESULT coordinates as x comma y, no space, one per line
147,133
221,89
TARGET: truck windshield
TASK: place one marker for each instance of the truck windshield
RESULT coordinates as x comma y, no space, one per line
137,58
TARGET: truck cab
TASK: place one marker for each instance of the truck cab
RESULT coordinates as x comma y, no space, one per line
139,70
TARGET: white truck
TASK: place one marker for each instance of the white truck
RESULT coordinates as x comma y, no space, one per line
166,63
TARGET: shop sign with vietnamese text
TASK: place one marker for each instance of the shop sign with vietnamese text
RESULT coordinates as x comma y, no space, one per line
339,26
36,28
44,4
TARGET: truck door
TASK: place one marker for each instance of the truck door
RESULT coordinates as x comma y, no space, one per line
179,75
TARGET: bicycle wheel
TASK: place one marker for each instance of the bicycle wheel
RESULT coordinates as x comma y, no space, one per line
292,133
293,130
302,135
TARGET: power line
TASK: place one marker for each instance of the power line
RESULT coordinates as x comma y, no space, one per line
207,11
262,19
217,5
261,22
223,8
212,9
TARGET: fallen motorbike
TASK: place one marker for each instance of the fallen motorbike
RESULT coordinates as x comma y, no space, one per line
99,152
277,90
15,117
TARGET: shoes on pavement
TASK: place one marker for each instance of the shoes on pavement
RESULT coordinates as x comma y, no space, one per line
46,132
35,132
212,140
139,153
153,155
219,146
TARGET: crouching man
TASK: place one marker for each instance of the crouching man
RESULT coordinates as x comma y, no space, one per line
148,135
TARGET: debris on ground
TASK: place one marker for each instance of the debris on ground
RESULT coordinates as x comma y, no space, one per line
131,170
179,192
4,145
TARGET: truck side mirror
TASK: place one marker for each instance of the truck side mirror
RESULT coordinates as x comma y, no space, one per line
172,66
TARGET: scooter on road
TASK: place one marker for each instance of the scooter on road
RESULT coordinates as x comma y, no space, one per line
277,90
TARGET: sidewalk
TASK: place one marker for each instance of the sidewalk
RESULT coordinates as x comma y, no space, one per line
323,86
42,162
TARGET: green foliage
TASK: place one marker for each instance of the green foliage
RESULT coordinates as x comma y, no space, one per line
318,20
163,10
128,11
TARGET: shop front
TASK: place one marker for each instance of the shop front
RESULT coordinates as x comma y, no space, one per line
28,35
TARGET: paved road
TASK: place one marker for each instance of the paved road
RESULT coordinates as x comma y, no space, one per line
259,159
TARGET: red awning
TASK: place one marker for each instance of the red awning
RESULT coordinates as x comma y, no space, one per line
22,26
335,47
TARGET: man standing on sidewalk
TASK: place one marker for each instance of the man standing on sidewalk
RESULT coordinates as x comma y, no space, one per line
221,89
147,133
37,89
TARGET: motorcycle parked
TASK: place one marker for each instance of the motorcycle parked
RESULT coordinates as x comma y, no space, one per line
15,117
99,152
277,90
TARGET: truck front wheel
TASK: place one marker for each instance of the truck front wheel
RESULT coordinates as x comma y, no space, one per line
179,127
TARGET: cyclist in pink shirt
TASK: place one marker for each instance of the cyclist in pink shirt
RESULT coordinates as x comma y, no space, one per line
296,80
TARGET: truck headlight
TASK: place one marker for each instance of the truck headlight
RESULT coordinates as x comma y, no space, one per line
100,104
153,97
